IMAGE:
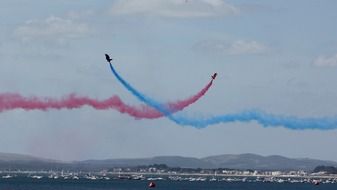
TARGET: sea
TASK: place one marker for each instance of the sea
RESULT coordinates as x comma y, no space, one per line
86,184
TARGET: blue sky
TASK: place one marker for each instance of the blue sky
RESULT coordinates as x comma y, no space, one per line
276,56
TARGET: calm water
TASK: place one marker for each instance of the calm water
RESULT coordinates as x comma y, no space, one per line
84,184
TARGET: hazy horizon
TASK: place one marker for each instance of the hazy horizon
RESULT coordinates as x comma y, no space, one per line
275,56
48,158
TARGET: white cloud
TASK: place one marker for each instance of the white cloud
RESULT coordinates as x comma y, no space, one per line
238,47
174,8
246,47
326,61
53,29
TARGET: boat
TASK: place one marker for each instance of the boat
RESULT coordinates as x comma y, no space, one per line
6,176
152,184
37,177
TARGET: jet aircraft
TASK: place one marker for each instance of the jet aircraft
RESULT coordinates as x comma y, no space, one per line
214,75
108,59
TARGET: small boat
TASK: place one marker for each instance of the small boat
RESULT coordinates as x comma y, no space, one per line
75,177
37,177
7,176
316,182
152,184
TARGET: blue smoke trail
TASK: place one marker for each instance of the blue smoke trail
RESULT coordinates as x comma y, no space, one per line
150,102
265,119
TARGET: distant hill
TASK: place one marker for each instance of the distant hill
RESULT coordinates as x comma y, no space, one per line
274,162
232,161
10,157
326,169
10,161
171,161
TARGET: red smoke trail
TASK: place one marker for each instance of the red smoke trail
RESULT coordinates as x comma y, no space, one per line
151,113
11,101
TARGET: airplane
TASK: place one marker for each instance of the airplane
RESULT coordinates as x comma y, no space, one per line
214,75
108,59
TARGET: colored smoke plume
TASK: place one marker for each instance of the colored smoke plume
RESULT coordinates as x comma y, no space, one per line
10,101
265,119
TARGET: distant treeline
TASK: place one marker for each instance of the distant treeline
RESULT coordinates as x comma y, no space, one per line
326,169
167,168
